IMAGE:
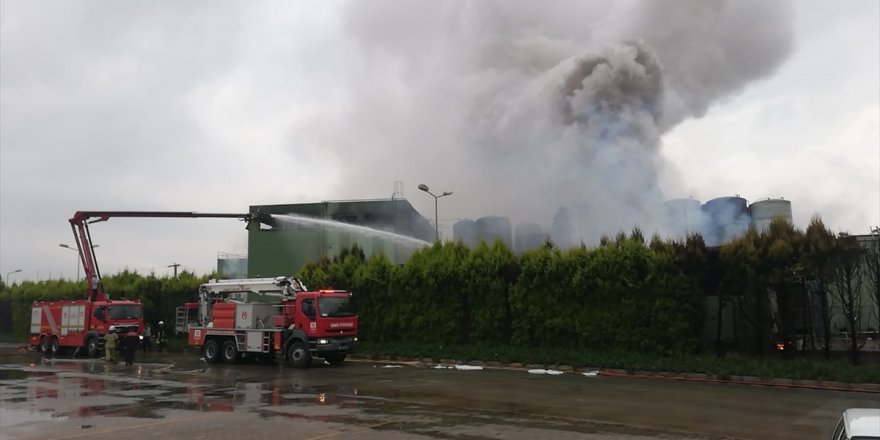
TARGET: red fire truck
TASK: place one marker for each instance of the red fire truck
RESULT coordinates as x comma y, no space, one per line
59,325
82,323
270,318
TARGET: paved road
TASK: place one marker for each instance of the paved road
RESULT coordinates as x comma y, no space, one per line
71,399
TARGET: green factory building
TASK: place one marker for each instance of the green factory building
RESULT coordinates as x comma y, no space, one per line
290,236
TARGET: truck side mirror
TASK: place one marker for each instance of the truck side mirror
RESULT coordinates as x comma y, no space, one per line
99,313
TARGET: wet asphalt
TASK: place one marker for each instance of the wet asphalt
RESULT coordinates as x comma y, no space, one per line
170,396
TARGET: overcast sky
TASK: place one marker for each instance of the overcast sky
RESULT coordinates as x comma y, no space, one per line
216,106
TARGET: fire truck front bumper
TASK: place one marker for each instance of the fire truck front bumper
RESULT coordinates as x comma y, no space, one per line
341,344
125,328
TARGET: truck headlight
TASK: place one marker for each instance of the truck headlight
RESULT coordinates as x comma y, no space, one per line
355,339
323,341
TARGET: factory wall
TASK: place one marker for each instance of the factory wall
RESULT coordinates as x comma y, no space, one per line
280,247
868,308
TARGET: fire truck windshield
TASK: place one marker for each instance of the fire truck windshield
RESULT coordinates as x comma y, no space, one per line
125,312
335,307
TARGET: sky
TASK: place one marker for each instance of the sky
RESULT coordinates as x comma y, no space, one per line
516,107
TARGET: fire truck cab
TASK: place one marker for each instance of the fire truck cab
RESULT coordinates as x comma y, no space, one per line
271,318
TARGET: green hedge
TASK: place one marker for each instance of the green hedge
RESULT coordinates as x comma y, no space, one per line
621,295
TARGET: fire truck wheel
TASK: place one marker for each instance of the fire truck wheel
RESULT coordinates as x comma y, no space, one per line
212,351
230,352
298,355
92,347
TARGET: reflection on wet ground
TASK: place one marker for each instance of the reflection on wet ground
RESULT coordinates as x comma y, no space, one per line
81,398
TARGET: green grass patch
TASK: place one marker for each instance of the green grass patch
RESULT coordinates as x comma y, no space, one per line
723,367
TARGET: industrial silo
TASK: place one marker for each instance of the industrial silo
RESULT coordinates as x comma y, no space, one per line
724,218
528,236
467,232
564,231
764,211
683,217
495,228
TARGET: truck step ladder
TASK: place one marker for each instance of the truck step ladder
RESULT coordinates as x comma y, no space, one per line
180,320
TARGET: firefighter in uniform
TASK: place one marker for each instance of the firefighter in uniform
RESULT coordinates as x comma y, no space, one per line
110,344
160,336
129,346
146,342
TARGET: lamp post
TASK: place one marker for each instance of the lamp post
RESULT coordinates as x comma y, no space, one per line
10,273
424,188
77,255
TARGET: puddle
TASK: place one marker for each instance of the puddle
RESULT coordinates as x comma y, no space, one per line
424,401
10,417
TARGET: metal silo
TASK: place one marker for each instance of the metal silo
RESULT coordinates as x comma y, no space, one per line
564,231
467,232
724,219
528,236
683,216
764,211
495,228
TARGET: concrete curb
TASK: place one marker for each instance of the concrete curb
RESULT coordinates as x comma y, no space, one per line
753,381
870,388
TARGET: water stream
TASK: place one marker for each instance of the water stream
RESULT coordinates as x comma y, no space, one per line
347,227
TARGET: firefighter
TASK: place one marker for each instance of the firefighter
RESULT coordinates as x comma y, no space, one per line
110,344
146,341
129,346
160,336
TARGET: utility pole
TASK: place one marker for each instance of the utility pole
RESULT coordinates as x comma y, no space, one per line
175,266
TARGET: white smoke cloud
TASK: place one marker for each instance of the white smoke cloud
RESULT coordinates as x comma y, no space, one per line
523,107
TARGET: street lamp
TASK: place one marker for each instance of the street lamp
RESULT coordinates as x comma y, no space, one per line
424,188
77,256
10,273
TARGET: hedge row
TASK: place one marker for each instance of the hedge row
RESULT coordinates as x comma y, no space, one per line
622,294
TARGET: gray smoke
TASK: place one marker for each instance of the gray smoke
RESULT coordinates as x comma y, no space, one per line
523,107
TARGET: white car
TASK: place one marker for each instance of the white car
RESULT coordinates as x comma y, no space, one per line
858,424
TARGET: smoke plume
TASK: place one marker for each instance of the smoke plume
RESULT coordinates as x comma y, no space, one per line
525,107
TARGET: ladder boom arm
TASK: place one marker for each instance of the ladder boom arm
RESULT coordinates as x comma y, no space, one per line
81,220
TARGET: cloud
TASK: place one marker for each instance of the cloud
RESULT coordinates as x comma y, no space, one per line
153,106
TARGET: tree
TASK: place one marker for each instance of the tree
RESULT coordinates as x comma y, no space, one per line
819,271
637,235
375,304
872,266
543,302
742,277
848,266
781,245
